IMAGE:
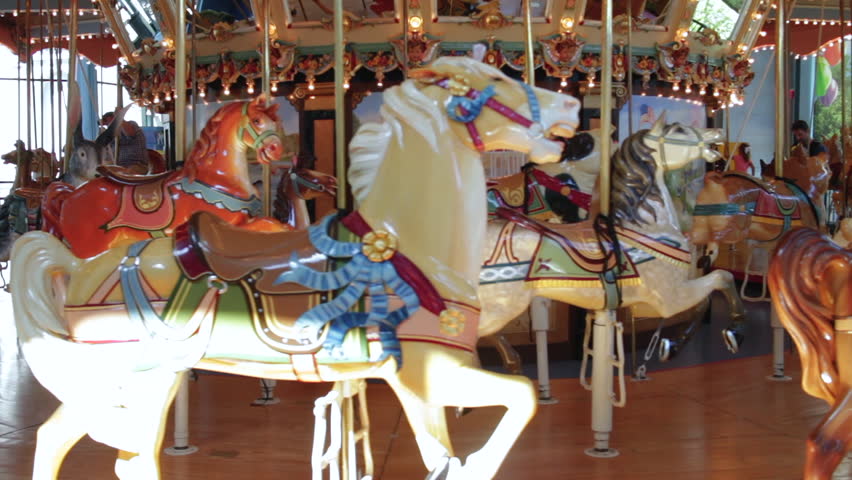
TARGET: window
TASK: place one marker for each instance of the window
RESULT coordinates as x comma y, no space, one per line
720,15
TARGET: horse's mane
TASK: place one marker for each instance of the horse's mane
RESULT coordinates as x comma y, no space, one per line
634,180
207,143
807,303
403,105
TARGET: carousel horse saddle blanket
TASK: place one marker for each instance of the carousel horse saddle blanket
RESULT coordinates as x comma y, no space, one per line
511,189
145,202
775,207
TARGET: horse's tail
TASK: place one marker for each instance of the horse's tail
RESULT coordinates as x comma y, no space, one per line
51,207
809,280
38,258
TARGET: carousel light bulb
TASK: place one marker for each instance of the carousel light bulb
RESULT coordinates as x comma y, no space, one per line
591,83
251,89
762,33
115,46
80,13
715,92
415,22
156,99
702,91
563,83
227,91
15,13
346,85
274,86
168,97
676,87
758,15
380,84
202,93
311,86
53,13
688,89
751,61
567,23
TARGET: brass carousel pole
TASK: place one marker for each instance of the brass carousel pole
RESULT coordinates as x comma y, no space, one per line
72,76
29,50
180,83
604,323
530,51
267,93
339,105
780,87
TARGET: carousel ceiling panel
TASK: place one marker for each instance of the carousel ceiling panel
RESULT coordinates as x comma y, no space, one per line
301,11
647,11
468,8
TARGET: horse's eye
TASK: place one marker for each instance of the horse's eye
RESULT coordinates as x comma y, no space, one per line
496,79
256,121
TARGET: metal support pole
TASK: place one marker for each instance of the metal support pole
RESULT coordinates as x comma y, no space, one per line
267,93
777,348
530,51
603,335
539,316
180,84
606,104
72,76
182,446
781,126
339,105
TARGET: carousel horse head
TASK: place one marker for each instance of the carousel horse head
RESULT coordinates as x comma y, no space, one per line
37,167
232,131
668,153
87,155
479,98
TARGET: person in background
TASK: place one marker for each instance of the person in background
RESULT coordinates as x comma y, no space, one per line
132,147
742,159
802,134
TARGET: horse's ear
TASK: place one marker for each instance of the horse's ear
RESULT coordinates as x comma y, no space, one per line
657,129
108,136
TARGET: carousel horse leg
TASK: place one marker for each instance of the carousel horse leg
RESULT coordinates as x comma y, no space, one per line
605,331
778,335
327,409
510,357
539,317
829,441
181,435
150,416
55,438
670,348
734,333
450,383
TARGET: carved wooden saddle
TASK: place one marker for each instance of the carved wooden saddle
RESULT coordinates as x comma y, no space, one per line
121,175
206,245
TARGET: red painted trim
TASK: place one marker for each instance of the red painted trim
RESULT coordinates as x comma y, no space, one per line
407,270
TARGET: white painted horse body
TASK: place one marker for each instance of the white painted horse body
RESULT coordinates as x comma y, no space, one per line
106,394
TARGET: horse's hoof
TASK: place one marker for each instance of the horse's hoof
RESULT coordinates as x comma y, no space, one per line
441,471
666,350
733,339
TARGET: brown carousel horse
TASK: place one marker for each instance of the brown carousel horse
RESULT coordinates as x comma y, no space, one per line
20,211
811,282
811,174
121,208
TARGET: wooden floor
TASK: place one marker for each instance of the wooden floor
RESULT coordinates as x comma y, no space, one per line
717,421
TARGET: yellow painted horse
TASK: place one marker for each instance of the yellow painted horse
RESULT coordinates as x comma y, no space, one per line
110,336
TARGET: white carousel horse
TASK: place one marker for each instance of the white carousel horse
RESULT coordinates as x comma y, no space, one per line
115,364
576,263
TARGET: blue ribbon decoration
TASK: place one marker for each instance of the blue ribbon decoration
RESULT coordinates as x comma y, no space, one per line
532,100
473,106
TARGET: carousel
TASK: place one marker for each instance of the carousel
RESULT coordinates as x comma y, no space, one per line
457,208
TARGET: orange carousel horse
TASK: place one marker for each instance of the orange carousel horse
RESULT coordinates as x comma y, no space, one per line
811,282
122,208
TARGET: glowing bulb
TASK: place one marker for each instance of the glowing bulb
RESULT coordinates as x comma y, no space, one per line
591,83
115,46
168,97
274,86
762,33
688,89
15,13
202,94
703,91
415,22
346,85
227,91
563,83
80,13
311,86
379,84
54,13
251,88
567,23
758,15
676,87
156,99
715,93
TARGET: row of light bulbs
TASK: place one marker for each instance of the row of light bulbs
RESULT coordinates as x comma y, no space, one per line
815,21
55,13
85,36
821,49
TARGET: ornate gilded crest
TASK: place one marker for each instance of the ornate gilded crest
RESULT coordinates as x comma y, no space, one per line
222,32
490,16
673,57
379,63
379,245
645,66
562,53
422,49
